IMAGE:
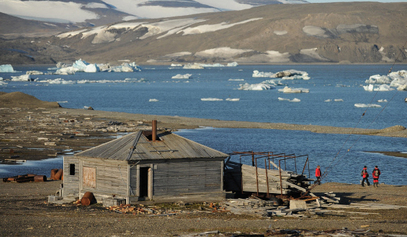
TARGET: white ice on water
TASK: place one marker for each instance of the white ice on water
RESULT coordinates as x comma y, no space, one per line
153,100
394,79
285,99
6,68
287,89
255,87
382,87
360,105
219,99
25,77
83,66
182,76
211,99
285,75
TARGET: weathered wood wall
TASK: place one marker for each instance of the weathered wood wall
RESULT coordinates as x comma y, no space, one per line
175,179
71,182
111,177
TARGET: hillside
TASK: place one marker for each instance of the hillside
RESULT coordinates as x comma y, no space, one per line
299,33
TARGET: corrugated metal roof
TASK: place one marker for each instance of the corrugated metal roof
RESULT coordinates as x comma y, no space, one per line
169,146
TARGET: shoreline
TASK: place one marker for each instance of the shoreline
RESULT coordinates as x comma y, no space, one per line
33,129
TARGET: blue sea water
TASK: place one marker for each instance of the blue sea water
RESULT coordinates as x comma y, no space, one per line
182,97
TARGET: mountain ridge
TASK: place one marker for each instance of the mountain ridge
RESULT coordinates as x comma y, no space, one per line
299,33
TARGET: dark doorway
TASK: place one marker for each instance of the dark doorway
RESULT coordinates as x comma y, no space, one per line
144,181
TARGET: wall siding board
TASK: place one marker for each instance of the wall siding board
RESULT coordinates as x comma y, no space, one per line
71,182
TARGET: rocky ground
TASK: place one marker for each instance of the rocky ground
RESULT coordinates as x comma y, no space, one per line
368,211
27,123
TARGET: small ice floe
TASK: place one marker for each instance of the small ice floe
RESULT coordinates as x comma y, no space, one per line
359,105
255,87
2,83
62,102
293,100
25,77
235,79
211,99
232,64
182,76
286,75
193,66
232,99
287,89
152,100
338,100
256,73
34,72
327,100
382,101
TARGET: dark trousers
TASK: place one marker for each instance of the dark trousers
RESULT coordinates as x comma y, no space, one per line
367,182
318,181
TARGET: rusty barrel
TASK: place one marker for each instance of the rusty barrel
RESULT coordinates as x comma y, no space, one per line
87,199
53,173
40,178
58,175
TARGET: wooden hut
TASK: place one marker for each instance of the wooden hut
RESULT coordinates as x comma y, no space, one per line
146,165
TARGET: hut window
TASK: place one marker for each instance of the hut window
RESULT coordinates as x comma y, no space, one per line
72,169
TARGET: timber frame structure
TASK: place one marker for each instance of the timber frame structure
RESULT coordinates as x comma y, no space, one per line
272,180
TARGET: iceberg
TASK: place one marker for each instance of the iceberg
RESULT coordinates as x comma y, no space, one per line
255,87
338,100
80,65
382,101
6,68
91,68
378,79
293,90
235,79
65,71
152,100
182,76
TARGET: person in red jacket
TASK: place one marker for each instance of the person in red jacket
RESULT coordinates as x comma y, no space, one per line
376,173
318,175
365,176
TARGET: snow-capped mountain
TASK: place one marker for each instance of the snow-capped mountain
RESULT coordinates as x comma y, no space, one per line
100,12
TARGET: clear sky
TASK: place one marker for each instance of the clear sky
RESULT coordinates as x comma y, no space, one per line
322,1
